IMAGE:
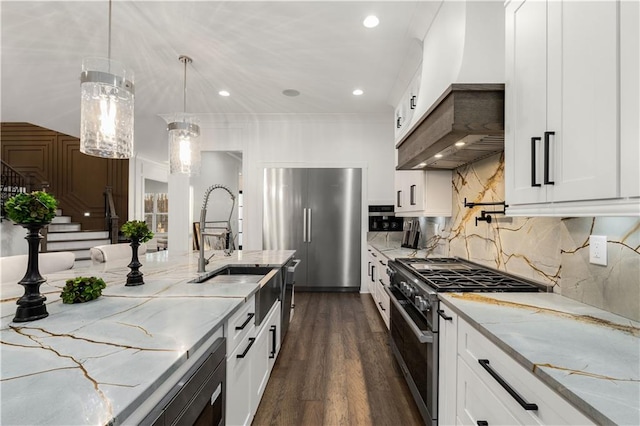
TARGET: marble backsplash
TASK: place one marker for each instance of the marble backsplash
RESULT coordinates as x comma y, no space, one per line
546,249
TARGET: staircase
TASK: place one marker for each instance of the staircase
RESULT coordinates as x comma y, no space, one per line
64,235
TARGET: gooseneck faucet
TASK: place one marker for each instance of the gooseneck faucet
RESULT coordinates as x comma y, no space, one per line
202,262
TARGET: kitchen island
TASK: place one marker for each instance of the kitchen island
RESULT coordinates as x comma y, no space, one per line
96,362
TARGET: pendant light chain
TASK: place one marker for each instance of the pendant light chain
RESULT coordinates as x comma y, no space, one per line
109,45
184,90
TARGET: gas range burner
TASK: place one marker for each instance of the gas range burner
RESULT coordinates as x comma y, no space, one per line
452,274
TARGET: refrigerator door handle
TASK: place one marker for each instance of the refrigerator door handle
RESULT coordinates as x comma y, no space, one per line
304,225
309,225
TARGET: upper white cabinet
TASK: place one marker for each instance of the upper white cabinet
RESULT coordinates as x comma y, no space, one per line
563,144
404,112
423,193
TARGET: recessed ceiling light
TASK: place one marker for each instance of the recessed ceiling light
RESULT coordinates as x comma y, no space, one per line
357,92
422,164
224,93
371,21
290,92
460,143
438,155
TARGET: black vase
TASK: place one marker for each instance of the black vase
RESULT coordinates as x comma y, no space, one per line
135,276
31,305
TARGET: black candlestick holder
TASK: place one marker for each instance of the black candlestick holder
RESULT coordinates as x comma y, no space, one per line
31,305
135,276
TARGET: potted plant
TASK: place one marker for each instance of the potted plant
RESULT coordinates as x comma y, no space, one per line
138,232
82,289
33,211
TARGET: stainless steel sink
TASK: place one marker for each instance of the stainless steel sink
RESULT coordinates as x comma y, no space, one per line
235,274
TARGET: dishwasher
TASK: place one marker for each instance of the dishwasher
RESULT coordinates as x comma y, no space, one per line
199,396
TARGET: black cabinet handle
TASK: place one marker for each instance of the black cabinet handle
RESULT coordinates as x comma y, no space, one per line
383,309
412,195
372,270
273,329
244,324
526,405
482,423
373,254
546,158
398,199
533,161
443,315
243,354
382,263
399,122
412,102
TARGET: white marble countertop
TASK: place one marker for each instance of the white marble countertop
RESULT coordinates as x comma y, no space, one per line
590,356
89,363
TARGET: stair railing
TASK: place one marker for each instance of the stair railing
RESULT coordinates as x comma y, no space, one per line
13,182
111,217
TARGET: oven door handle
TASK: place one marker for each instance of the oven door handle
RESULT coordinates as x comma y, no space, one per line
422,337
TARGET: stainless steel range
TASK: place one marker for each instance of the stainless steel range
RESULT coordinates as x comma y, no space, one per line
415,284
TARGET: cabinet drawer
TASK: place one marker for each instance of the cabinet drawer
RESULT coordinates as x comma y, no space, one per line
476,403
552,409
239,324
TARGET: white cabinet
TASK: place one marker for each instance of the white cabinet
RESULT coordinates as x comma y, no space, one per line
448,331
240,332
266,349
487,380
562,101
423,193
378,281
404,112
251,353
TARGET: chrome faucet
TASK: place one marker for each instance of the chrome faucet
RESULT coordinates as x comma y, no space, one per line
202,262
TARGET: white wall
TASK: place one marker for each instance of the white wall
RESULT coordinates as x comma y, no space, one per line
297,140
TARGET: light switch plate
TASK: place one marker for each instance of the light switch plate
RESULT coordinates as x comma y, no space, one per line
598,250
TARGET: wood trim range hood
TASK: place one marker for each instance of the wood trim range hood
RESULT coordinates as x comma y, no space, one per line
472,114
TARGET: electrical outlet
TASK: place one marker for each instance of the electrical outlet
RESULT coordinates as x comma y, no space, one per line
598,250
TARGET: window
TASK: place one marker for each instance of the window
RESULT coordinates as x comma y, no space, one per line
156,212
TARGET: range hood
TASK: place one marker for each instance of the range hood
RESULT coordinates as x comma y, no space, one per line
464,125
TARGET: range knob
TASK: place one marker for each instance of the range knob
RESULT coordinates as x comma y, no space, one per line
421,303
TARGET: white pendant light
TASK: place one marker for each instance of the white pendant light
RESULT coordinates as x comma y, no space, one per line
184,137
106,107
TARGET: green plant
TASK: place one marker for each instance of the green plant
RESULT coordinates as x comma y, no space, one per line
82,289
137,229
31,207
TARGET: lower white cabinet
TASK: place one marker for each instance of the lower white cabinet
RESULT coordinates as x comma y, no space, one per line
491,388
249,365
378,280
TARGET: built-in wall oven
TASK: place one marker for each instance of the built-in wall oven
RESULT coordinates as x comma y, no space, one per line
413,292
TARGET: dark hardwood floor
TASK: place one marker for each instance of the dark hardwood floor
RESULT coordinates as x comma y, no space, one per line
336,368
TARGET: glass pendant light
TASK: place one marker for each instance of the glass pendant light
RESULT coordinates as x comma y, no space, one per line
184,137
106,107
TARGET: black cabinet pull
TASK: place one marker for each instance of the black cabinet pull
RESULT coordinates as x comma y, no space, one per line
244,324
373,254
273,329
399,122
546,158
482,423
398,199
412,102
533,161
243,354
372,271
383,309
443,315
526,405
412,195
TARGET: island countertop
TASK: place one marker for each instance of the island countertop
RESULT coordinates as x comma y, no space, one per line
91,363
589,356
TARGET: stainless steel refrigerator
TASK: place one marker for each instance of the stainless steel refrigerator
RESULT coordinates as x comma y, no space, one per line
317,213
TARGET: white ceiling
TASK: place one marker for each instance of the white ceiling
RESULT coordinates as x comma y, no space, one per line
255,50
